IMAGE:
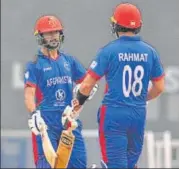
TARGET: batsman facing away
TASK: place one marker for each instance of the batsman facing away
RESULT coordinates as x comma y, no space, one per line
128,64
49,82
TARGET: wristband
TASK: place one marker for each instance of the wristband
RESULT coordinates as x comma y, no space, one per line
81,98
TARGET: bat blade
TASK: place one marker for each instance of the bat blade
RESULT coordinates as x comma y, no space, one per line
49,152
64,149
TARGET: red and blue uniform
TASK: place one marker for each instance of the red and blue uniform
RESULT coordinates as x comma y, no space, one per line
54,80
128,65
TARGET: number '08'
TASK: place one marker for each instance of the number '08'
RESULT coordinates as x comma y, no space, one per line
138,74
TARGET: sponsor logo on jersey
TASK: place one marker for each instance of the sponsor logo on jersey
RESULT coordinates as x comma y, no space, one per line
67,66
47,69
60,95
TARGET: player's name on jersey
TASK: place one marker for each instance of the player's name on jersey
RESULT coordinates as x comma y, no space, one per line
136,57
58,80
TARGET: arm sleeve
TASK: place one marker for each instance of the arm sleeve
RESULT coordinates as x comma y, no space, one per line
99,65
79,71
29,75
157,69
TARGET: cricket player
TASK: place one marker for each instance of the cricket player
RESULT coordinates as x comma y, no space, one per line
128,64
49,82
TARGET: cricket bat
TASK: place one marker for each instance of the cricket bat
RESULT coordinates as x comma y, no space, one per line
61,157
64,149
49,152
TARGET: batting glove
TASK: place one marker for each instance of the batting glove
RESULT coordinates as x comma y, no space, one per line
36,122
68,119
92,93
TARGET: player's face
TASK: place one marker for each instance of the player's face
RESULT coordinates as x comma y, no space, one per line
52,38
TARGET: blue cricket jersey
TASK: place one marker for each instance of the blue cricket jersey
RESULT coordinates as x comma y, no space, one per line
128,64
53,80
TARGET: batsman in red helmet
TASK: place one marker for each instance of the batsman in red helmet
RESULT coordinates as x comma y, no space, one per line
49,82
128,64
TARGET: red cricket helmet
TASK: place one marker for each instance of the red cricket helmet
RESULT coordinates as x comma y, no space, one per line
127,15
47,23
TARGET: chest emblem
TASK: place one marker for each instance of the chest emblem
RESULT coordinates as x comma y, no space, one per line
67,66
60,95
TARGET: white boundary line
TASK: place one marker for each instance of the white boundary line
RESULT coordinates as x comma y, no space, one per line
89,133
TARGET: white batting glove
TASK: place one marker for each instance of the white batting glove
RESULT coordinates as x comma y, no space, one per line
92,93
36,122
75,90
69,119
76,113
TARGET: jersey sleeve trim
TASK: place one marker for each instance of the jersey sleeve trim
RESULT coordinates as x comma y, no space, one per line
93,74
158,78
30,84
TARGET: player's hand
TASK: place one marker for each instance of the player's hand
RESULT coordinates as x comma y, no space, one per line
92,93
69,119
77,108
36,122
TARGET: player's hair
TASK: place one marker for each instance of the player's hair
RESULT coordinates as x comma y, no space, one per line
118,28
135,31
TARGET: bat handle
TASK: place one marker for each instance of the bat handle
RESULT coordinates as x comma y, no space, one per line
70,131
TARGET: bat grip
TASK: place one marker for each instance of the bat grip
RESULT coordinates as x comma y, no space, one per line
70,131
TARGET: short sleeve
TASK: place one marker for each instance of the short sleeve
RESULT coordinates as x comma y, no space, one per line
99,66
30,75
157,68
78,70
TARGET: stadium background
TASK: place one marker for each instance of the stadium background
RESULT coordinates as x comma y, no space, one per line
86,30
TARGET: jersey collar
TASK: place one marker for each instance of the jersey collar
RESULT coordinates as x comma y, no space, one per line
42,55
130,38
